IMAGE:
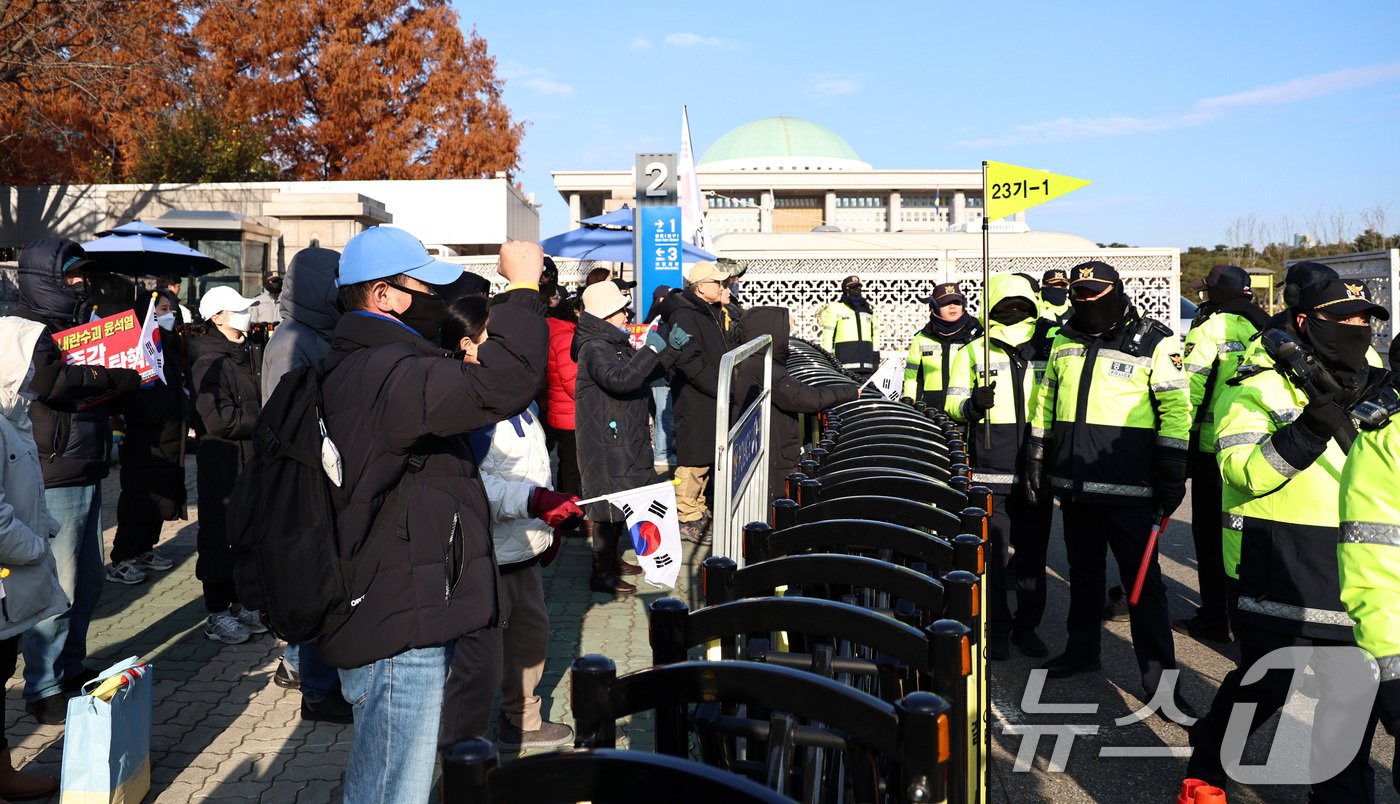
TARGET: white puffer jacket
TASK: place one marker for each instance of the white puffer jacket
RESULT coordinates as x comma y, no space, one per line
514,465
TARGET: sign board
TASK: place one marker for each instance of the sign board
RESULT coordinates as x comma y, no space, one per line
659,240
744,454
111,342
656,180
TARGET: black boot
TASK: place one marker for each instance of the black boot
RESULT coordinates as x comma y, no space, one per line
604,578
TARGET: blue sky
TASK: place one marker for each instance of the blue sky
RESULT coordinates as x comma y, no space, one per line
1186,116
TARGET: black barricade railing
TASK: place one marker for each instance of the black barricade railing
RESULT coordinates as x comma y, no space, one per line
884,438
897,746
875,482
903,545
867,640
858,428
723,581
869,471
875,461
471,774
883,509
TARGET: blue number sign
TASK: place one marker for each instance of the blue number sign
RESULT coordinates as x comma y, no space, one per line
660,231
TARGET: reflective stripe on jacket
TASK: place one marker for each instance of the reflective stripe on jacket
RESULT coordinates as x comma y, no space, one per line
1281,514
1368,553
1105,412
1212,353
851,336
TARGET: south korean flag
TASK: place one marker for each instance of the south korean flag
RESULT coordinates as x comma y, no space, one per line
655,532
888,380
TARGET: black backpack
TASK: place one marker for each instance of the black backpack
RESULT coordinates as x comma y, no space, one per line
281,519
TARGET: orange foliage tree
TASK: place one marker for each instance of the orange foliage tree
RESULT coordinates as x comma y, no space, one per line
82,80
358,89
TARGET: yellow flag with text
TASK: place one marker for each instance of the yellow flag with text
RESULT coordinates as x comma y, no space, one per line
1012,188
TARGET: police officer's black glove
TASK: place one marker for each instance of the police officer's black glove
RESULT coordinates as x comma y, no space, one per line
1169,478
124,380
983,399
1323,418
1033,474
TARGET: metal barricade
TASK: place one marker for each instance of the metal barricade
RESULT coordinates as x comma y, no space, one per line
741,451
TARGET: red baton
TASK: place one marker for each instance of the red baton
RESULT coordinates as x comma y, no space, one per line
1157,529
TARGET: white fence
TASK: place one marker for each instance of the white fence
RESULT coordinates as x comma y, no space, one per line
741,452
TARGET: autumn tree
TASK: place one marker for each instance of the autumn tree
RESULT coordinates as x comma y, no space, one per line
358,89
199,144
81,82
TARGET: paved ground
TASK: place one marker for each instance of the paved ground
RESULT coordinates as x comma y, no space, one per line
223,732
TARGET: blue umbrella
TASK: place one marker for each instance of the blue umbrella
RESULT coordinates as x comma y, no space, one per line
139,249
620,218
609,245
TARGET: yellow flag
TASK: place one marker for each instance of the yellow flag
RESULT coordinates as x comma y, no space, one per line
1011,188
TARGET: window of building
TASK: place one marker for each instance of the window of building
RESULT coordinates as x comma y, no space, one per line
733,202
799,202
859,201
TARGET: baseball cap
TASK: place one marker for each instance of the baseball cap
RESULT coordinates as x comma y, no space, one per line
623,284
706,272
1225,277
1093,271
1340,297
602,299
946,293
221,298
384,251
1306,273
1054,275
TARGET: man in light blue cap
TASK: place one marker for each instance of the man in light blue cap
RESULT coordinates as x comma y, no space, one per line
411,517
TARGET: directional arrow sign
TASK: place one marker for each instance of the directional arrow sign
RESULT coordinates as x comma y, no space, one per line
1011,188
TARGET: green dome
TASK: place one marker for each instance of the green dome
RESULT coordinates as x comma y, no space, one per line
783,143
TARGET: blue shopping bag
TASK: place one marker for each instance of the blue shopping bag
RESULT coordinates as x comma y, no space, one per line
107,741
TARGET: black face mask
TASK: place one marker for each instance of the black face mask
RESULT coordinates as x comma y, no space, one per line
425,314
1012,312
1340,347
1097,316
1054,295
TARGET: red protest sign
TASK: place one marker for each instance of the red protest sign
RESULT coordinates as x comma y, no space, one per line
110,342
637,334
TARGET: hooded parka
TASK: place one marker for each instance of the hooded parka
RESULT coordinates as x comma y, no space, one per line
611,399
309,316
695,379
31,589
790,397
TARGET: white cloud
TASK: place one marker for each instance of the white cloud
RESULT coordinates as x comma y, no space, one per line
640,43
1066,129
838,86
696,40
536,79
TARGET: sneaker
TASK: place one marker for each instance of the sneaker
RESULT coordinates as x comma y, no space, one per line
51,710
331,709
251,619
695,532
548,735
224,627
126,572
152,560
285,677
1115,608
1202,629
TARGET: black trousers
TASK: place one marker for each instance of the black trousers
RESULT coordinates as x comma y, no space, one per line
1354,784
135,538
1020,536
1206,533
569,481
1088,529
9,659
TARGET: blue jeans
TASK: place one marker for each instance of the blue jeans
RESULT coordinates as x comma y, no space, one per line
318,679
398,709
663,435
54,649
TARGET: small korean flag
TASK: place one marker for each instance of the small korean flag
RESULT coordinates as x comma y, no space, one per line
655,532
151,348
888,380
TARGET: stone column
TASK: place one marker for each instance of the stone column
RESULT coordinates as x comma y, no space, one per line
575,210
959,209
892,214
765,212
829,209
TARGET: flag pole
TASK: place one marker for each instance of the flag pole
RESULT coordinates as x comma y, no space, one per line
986,300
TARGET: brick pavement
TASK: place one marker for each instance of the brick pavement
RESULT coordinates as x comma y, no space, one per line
223,732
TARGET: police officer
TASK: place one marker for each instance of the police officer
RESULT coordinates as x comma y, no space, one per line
849,331
1014,351
1368,555
933,348
1225,323
1054,296
1281,453
1109,435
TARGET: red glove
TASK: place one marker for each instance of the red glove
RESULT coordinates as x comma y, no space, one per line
555,508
